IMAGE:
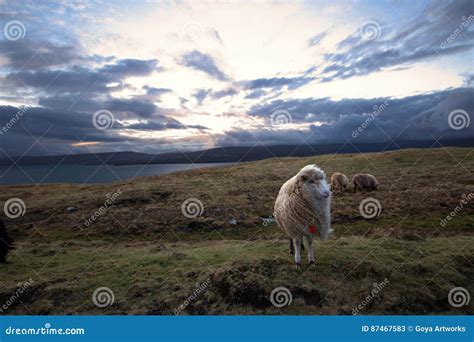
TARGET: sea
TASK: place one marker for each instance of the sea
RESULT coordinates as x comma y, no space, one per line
89,174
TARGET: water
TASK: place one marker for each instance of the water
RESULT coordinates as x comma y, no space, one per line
88,174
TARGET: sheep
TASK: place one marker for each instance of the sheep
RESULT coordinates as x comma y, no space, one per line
339,181
302,209
5,243
365,181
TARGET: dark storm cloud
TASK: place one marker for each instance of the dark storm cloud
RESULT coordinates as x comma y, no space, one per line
75,79
162,123
204,63
87,89
428,36
44,131
130,67
53,124
421,117
30,54
138,107
80,78
326,110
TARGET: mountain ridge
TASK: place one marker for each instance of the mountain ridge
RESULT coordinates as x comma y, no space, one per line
227,154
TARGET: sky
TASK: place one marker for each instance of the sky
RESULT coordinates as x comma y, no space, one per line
160,76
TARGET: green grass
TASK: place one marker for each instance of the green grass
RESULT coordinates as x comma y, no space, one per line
153,258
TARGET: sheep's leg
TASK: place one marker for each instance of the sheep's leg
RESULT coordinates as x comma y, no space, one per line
292,250
309,245
297,246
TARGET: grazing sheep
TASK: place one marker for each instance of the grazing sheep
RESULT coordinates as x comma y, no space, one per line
365,181
302,209
5,243
339,181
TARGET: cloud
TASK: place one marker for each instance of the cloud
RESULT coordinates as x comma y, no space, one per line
30,54
420,39
278,82
156,91
201,94
141,108
130,67
77,79
468,80
204,63
224,93
256,94
316,39
58,130
420,117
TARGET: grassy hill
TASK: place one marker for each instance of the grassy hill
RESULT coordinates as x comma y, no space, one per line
154,258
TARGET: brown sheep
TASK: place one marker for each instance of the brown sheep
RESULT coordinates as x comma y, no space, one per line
339,182
365,181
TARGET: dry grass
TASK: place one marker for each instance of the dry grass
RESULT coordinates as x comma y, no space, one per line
153,257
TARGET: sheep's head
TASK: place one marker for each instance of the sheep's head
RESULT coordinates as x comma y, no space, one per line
312,182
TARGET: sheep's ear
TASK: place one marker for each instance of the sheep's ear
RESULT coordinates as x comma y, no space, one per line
304,178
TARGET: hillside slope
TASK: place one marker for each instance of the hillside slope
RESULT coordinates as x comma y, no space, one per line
153,257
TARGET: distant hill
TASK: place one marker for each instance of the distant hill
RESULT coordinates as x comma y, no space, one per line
228,154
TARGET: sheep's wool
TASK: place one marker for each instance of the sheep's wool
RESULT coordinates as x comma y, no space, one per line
295,211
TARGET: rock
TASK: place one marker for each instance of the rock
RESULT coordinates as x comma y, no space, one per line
233,221
71,209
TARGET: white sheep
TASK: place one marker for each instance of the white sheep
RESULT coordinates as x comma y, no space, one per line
303,209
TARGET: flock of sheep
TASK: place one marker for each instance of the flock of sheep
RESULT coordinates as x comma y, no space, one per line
303,206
